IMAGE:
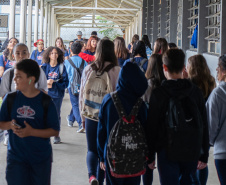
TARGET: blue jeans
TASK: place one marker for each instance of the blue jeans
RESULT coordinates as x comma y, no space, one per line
221,170
71,116
200,177
21,173
58,104
175,173
92,159
148,176
75,107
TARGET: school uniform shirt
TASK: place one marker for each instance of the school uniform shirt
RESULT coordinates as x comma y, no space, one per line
122,60
30,149
38,57
5,84
7,64
70,69
88,58
137,60
60,81
89,52
66,53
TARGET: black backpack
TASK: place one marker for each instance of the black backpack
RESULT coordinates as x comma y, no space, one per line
184,129
76,81
127,147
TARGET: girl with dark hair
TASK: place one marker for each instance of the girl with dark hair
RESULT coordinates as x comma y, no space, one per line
161,46
216,109
6,60
146,41
57,79
60,44
120,50
134,39
30,125
105,56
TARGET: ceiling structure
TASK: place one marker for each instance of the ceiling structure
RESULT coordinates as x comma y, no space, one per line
114,12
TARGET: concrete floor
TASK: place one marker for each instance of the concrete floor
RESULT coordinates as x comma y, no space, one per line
69,166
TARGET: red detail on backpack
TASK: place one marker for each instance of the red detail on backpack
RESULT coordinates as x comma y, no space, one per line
126,176
132,120
113,162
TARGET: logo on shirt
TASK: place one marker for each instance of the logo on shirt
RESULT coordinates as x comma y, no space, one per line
39,57
11,63
53,75
25,112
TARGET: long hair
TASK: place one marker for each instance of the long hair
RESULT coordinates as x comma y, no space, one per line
105,53
120,48
46,59
199,74
146,41
63,46
155,71
161,46
89,47
135,38
139,48
7,53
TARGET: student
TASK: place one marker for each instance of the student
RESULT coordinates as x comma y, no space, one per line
172,169
172,45
79,36
77,61
160,46
30,126
91,45
146,41
37,54
199,73
216,108
57,79
121,52
134,39
60,44
87,57
139,55
69,48
6,59
105,56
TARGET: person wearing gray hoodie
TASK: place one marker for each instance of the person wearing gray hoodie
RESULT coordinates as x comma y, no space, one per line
216,114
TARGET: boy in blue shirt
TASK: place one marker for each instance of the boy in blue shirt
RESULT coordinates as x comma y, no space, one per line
37,54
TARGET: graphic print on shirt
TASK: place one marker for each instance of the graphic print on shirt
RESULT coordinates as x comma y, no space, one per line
52,75
39,57
25,112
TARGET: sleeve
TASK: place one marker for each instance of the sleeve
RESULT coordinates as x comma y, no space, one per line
5,83
66,53
4,111
129,46
42,82
63,83
52,117
88,58
33,55
1,61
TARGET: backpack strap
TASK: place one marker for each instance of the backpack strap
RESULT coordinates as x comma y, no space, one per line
45,103
71,62
36,53
118,104
5,60
143,62
136,108
82,65
10,99
11,74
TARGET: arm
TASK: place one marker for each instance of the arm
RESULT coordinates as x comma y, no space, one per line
88,58
1,71
2,68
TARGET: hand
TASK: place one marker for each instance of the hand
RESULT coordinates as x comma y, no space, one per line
24,132
102,166
14,127
50,81
201,165
152,165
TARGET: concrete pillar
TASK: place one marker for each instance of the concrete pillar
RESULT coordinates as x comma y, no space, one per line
140,23
12,19
163,18
23,15
145,17
129,34
29,25
36,21
41,19
135,25
49,25
53,37
185,24
173,20
150,20
45,24
155,20
223,28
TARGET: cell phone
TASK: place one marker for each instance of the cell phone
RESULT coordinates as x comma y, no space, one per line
17,125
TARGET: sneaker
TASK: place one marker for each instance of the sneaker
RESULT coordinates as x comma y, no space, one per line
93,180
6,140
69,123
56,140
80,130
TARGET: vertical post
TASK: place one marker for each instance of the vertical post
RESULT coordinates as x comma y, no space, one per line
12,19
150,20
202,23
163,18
223,28
36,21
135,25
53,37
49,24
41,20
185,25
29,25
155,20
140,23
23,14
45,24
145,17
173,20
129,34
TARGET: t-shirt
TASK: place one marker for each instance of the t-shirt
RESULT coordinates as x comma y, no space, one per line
7,64
38,57
122,60
66,53
60,81
29,149
89,52
78,39
41,84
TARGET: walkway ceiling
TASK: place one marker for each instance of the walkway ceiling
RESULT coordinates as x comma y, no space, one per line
118,12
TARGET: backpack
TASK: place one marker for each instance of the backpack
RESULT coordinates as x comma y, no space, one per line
36,53
184,128
45,103
142,62
97,86
76,80
127,146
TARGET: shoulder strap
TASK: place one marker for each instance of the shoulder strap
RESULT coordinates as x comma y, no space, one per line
82,65
61,69
45,103
118,104
136,107
11,74
143,62
36,53
109,67
10,99
71,62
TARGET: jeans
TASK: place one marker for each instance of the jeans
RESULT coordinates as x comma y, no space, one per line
200,177
92,159
75,107
175,173
221,170
71,116
148,176
58,104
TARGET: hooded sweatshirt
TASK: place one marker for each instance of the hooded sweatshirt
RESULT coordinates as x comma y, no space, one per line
129,88
216,115
158,105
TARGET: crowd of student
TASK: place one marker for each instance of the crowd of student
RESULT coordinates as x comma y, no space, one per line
160,77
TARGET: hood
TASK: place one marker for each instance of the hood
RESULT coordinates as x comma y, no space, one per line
131,83
178,87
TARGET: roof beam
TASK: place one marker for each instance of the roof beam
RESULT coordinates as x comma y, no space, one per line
95,8
90,13
108,24
82,19
91,27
